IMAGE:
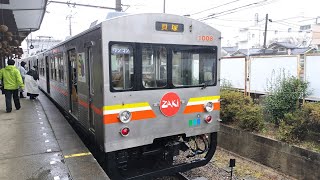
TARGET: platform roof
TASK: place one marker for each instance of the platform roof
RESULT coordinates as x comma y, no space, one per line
22,16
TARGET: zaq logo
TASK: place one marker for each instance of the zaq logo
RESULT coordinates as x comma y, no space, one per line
170,104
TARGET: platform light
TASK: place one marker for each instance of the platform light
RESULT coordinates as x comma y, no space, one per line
208,106
125,131
125,116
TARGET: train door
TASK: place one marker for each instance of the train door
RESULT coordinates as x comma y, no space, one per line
73,82
37,65
47,74
90,90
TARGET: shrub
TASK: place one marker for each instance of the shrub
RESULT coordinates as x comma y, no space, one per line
250,118
225,84
232,102
293,127
299,124
284,97
240,110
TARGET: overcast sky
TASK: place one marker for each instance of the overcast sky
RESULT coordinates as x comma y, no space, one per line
294,13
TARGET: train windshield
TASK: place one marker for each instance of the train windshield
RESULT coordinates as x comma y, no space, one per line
153,66
192,66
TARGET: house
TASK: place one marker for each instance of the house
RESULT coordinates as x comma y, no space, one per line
282,48
227,51
253,52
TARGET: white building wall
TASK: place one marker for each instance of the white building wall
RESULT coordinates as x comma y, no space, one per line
232,70
312,74
264,71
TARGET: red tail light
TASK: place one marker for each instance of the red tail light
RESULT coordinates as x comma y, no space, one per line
208,119
125,131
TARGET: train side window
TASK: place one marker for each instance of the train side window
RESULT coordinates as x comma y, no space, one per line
52,67
122,67
56,66
60,68
154,66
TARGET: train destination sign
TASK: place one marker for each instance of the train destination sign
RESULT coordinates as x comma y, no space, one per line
171,27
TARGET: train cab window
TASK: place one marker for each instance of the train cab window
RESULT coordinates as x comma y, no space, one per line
154,66
122,67
193,66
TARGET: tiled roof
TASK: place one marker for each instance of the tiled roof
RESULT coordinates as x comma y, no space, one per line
230,49
283,44
297,51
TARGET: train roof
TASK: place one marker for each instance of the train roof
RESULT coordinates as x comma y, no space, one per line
115,16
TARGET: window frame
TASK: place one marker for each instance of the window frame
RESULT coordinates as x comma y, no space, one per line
214,70
137,66
142,87
133,46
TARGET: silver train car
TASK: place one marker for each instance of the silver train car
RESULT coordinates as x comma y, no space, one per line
145,87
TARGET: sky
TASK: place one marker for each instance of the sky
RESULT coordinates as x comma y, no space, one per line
229,15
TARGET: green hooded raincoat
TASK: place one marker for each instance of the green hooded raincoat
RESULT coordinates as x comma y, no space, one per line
11,77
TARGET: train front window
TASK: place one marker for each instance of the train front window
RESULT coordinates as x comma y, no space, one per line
154,66
122,66
193,66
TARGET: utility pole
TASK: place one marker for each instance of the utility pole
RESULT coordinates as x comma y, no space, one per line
118,6
164,6
265,33
70,26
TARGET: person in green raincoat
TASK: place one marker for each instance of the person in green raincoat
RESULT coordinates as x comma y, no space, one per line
12,80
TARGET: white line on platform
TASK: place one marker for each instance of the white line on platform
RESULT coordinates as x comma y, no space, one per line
53,162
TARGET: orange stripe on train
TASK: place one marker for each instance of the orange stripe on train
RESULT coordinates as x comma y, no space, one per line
199,108
136,115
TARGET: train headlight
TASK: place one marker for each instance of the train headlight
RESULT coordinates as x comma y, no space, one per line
208,106
125,116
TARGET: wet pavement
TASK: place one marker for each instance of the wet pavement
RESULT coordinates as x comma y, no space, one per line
38,143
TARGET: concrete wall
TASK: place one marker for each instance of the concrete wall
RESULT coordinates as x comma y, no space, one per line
290,160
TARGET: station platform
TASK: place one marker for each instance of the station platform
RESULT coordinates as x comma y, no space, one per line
38,143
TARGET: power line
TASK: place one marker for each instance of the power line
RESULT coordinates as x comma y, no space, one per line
286,24
84,5
214,7
231,10
234,20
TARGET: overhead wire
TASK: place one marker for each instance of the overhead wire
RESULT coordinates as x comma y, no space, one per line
234,10
229,11
215,7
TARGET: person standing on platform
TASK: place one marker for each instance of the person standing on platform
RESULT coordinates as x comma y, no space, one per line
31,81
12,81
23,73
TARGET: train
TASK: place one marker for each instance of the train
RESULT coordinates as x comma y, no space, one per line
144,87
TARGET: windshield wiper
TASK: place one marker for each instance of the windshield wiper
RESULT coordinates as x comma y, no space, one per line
204,85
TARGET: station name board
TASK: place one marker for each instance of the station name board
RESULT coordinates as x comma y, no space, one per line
171,27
